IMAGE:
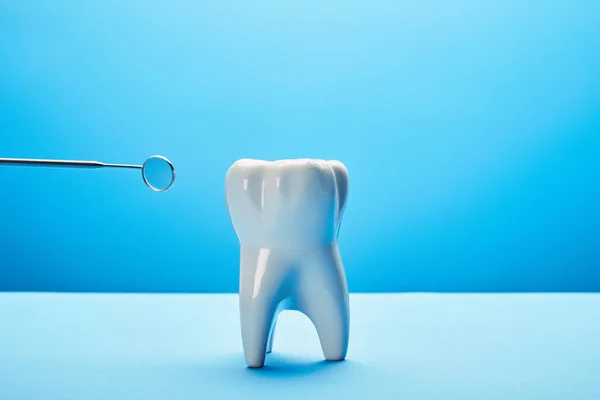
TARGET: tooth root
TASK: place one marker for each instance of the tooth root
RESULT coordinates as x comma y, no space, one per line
325,302
333,335
256,319
260,294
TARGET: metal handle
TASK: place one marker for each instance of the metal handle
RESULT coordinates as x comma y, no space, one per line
63,163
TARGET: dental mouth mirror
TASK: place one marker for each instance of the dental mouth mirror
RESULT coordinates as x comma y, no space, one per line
157,171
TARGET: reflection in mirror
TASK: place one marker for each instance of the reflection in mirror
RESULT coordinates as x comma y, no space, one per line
158,173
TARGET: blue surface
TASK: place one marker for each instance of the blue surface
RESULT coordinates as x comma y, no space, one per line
402,347
470,130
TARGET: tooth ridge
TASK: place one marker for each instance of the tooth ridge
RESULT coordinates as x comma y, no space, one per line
250,162
340,174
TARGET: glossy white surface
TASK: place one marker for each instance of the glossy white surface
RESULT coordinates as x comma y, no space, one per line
287,215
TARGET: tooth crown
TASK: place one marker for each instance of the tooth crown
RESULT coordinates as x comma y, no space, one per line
286,202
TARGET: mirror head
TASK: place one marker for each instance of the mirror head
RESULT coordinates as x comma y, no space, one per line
158,173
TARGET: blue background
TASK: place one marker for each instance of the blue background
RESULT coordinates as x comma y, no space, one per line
471,131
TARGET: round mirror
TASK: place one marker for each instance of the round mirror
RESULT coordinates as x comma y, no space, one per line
158,173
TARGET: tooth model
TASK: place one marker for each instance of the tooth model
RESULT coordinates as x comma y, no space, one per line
287,216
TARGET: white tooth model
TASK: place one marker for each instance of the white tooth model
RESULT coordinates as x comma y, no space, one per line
287,217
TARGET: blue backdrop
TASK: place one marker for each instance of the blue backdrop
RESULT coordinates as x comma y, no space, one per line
470,130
